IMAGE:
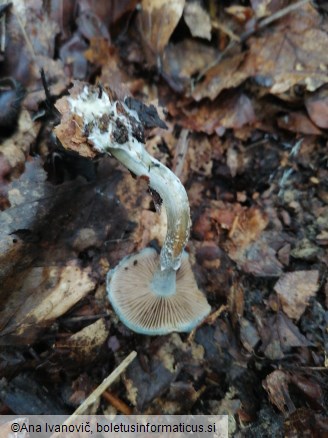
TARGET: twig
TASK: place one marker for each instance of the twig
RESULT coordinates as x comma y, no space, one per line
26,37
3,33
180,153
265,22
209,320
216,61
217,25
102,387
274,17
117,403
3,10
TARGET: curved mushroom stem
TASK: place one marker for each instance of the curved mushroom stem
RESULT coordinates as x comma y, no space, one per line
149,292
175,200
111,127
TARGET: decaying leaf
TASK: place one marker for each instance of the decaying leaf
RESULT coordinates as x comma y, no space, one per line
317,107
71,128
248,335
232,110
85,343
249,247
15,149
278,334
181,61
169,358
246,227
297,121
276,385
295,289
157,21
26,393
245,85
226,74
292,55
39,296
198,20
263,8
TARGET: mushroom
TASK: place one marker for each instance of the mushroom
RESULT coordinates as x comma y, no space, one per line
152,294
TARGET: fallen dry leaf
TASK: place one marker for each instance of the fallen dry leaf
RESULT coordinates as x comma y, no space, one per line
157,21
297,121
247,227
15,149
39,296
313,390
85,343
183,60
249,336
241,14
305,422
317,107
276,385
231,110
295,289
278,334
292,54
198,20
263,8
226,74
99,51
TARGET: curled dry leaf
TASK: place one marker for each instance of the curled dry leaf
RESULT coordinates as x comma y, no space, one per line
295,289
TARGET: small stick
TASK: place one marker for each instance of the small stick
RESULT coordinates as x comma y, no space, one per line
3,33
268,20
243,37
3,10
102,387
180,152
226,30
26,37
117,403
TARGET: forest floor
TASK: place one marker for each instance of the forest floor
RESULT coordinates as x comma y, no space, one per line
243,89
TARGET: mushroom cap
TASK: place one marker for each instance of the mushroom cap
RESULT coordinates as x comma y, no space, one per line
144,311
